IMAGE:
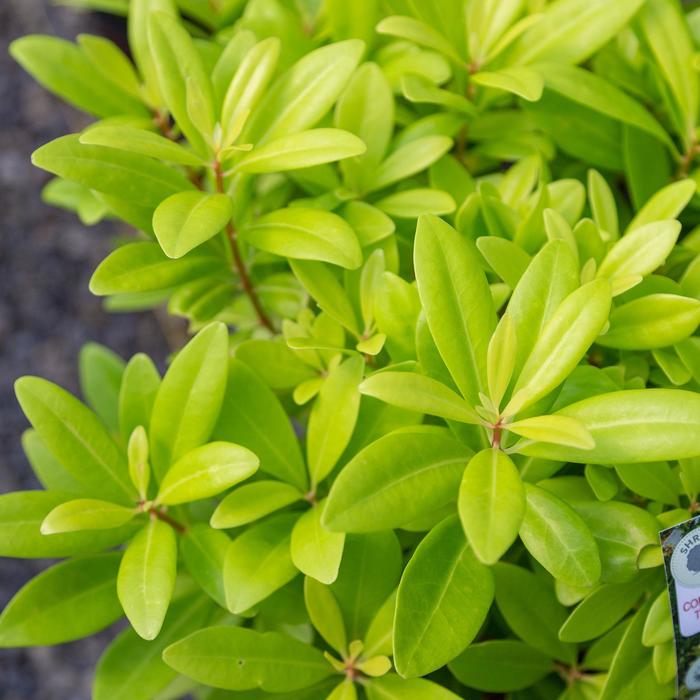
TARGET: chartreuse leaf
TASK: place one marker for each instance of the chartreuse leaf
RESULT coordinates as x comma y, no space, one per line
147,143
248,84
306,234
500,359
651,322
131,177
137,393
366,108
409,159
564,339
639,253
205,472
379,637
325,614
444,596
111,63
419,33
654,480
456,300
404,475
258,562
252,502
560,430
665,204
520,80
369,572
333,418
101,373
176,61
143,267
21,516
600,610
147,577
302,150
602,203
204,551
65,70
422,90
252,416
410,204
86,514
419,393
491,504
302,95
571,31
76,438
187,404
529,606
52,475
235,658
548,280
559,539
500,666
188,219
344,691
139,466
69,601
658,627
316,551
392,687
131,668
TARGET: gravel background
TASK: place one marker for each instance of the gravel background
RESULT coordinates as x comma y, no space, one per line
46,311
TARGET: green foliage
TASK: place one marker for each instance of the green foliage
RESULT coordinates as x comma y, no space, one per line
441,266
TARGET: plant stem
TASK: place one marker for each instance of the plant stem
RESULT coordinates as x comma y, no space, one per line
238,261
161,515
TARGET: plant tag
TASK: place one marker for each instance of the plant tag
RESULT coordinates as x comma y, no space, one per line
681,549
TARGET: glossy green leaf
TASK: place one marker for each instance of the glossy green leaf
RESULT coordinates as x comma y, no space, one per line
667,203
86,514
131,668
632,426
253,501
68,601
402,476
258,562
147,577
653,321
203,552
560,430
444,597
419,393
491,504
333,418
315,550
392,687
101,373
76,437
188,219
456,300
187,404
306,234
559,539
21,516
252,416
234,658
205,472
521,81
564,339
137,393
325,614
500,665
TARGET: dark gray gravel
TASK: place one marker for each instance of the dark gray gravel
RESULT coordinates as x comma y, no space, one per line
46,311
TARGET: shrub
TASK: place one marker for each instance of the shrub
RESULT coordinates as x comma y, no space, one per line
398,446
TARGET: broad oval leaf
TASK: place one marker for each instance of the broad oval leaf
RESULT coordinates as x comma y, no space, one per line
491,504
86,514
76,438
444,596
315,550
457,302
147,577
253,501
188,219
402,476
632,426
235,658
206,471
258,562
306,234
187,404
73,599
559,539
302,150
